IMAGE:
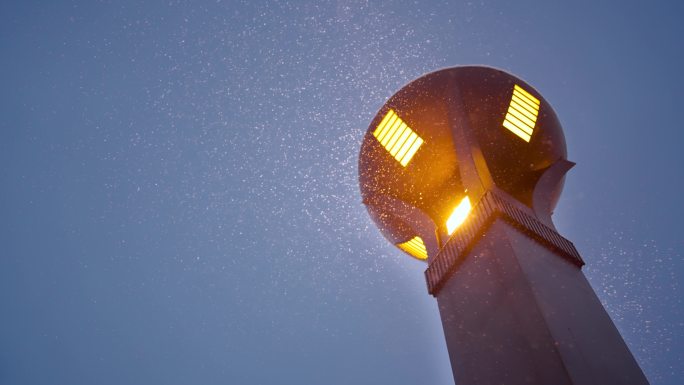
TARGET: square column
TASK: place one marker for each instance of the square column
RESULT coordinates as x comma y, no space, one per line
516,308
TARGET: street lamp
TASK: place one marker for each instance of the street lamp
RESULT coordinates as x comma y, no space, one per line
462,168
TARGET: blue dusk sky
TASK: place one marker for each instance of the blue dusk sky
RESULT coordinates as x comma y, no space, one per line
179,194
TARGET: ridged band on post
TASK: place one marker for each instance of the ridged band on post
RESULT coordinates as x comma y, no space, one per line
492,206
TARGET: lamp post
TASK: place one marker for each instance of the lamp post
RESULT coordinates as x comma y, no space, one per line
462,168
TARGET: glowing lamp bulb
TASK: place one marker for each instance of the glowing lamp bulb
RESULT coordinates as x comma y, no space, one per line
459,215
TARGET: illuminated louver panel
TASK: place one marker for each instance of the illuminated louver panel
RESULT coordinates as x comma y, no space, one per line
522,113
397,138
459,215
415,247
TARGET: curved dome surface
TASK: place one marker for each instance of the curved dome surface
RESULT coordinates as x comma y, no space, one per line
408,153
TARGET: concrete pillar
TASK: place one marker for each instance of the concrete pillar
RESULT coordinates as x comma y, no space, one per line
516,308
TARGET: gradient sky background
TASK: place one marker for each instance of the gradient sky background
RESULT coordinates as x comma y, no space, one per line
179,194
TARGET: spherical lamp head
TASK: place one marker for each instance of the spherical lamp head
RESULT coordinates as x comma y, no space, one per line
442,140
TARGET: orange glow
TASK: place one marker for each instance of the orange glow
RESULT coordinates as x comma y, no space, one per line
522,113
415,247
397,138
459,215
